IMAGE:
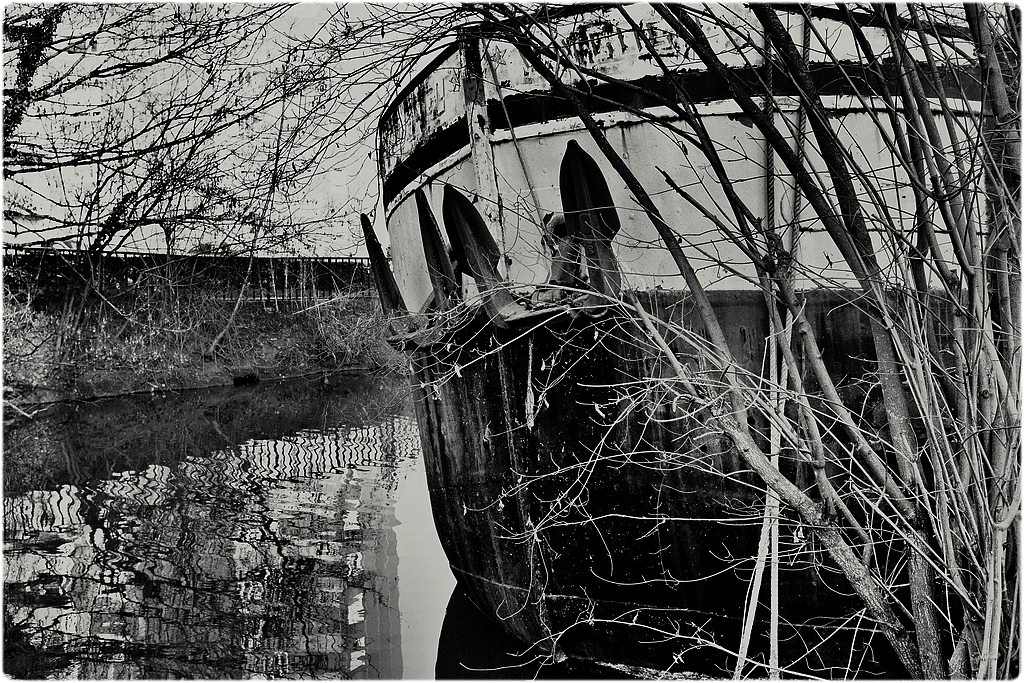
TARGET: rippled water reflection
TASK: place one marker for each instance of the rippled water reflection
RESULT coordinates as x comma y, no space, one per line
221,534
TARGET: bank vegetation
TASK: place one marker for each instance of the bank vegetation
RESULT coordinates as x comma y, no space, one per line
158,335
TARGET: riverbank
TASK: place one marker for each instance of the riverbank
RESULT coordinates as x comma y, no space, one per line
64,355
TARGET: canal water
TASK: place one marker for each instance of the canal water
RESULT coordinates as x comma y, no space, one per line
273,531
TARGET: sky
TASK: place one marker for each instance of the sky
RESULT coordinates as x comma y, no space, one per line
347,179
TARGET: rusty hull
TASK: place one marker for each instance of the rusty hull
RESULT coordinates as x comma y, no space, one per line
578,512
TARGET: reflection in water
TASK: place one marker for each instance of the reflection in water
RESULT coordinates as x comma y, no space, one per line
244,557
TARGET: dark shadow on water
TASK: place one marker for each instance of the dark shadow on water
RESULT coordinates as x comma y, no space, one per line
472,646
72,443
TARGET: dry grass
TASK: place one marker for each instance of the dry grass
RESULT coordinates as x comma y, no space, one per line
155,338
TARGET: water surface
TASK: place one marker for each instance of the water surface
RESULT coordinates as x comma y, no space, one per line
277,531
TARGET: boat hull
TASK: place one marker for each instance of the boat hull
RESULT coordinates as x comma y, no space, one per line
592,518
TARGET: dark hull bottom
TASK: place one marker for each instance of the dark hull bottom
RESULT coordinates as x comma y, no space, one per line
586,517
473,646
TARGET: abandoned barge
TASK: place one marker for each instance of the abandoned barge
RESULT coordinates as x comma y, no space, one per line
581,502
